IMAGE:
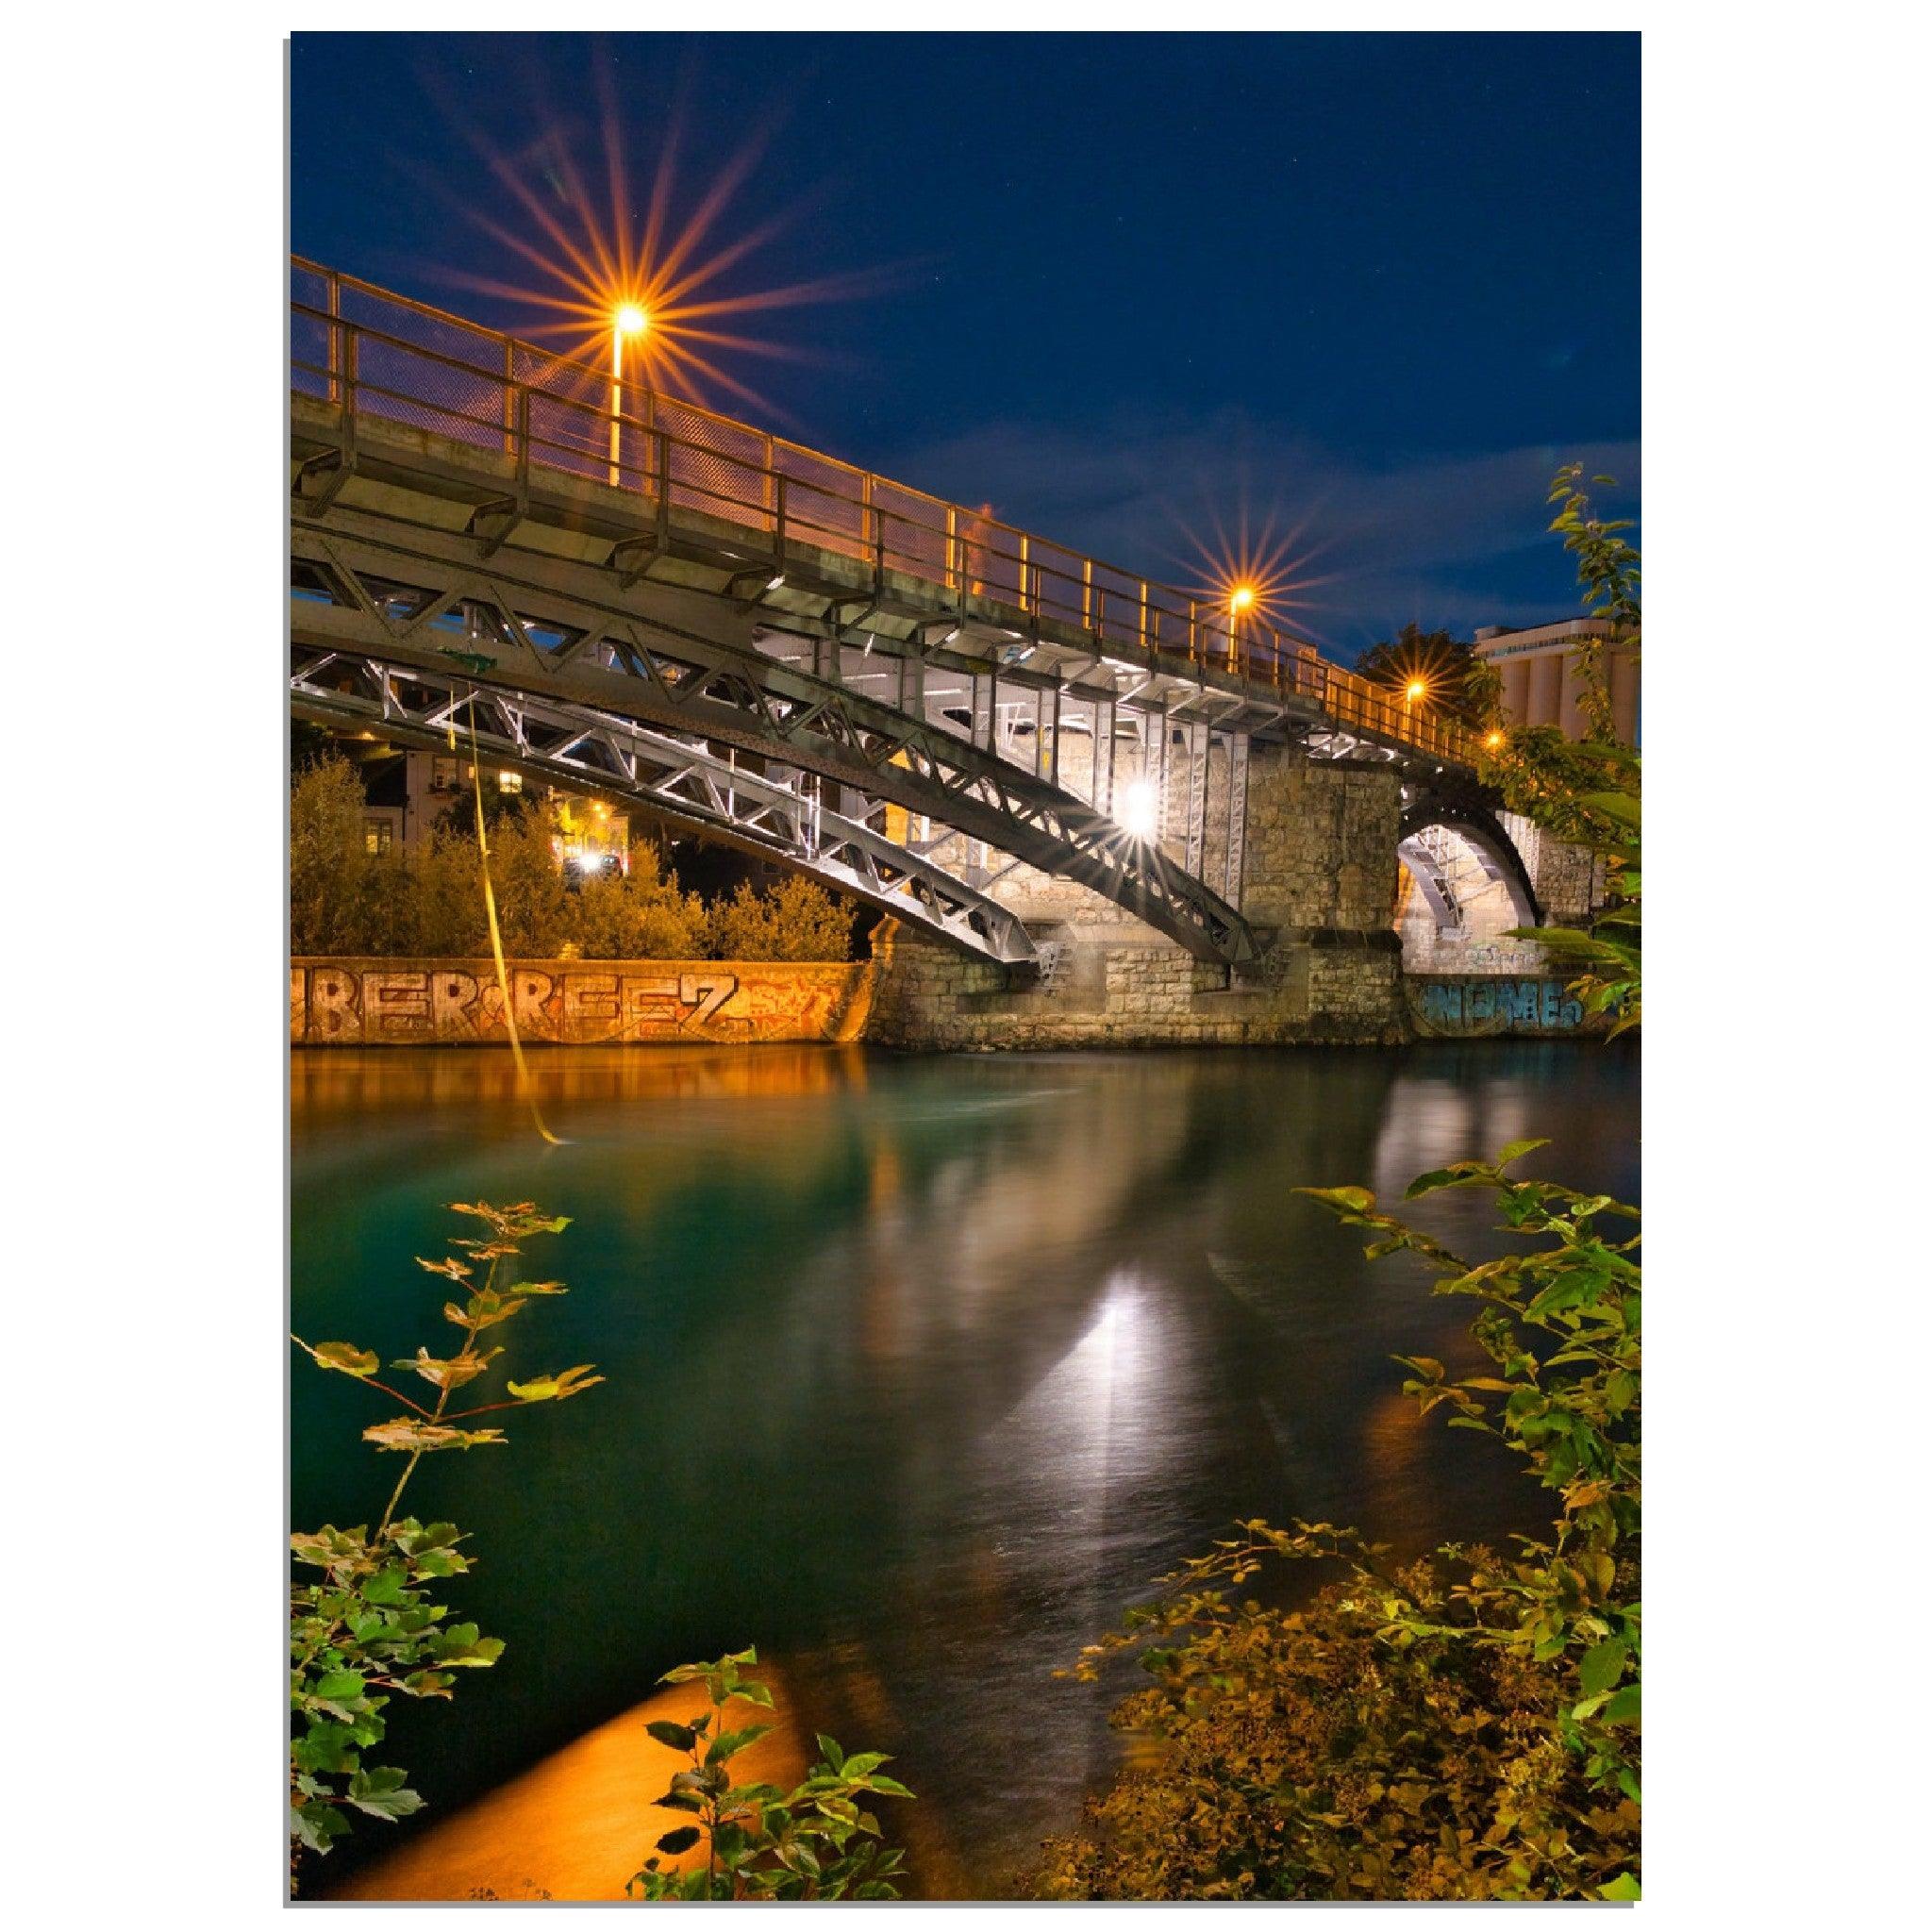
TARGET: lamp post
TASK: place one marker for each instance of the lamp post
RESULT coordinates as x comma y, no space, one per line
629,320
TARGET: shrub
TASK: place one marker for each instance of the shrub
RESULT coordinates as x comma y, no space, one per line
1465,1727
643,916
372,1628
328,860
796,920
446,879
533,903
815,1842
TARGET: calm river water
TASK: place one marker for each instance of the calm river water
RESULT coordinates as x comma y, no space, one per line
919,1370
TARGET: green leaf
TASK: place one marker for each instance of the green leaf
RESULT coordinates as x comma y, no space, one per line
557,1388
1517,1149
679,1737
447,1373
833,1756
1353,1200
1621,1886
383,1794
346,1357
729,1743
681,1840
1603,1664
1626,1706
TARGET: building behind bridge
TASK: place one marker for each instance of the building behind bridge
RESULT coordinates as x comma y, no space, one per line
1541,684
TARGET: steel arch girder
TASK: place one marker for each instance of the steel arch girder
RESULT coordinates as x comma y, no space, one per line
429,603
1486,838
683,784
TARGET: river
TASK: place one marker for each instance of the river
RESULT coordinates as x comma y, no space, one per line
919,1370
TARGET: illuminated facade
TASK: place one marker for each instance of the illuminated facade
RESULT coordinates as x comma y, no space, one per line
1538,669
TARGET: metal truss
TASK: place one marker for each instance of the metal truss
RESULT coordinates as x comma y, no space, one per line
672,778
684,660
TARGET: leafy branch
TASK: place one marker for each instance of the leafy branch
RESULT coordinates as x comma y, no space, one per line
371,1628
818,1840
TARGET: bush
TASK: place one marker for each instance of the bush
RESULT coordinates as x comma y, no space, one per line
429,903
1465,1727
819,1840
796,919
328,863
643,916
371,1629
533,903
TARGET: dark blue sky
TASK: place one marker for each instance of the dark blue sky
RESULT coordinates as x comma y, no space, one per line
1373,287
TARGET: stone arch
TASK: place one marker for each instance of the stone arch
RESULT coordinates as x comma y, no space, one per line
1462,886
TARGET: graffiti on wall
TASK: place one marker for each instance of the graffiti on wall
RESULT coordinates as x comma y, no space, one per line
445,1002
1462,1004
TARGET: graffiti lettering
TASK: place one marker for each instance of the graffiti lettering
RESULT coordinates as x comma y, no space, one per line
369,1003
1473,1004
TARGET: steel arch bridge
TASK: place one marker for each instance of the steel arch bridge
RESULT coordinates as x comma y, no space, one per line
750,640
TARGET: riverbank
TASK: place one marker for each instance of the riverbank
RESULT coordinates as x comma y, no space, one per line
937,1002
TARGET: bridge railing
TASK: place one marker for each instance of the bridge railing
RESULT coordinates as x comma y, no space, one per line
369,351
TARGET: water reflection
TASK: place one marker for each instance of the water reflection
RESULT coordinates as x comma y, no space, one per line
919,1370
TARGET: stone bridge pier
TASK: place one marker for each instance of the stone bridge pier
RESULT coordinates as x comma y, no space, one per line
1316,855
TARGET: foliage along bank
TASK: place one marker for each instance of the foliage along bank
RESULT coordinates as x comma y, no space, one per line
426,903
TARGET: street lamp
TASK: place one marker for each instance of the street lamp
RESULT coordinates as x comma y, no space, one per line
629,320
1418,690
1239,599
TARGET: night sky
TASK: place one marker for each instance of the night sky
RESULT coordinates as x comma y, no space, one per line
1365,289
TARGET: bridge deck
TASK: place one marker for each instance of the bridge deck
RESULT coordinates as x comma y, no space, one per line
839,565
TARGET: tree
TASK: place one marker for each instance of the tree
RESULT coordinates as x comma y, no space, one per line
328,860
796,920
533,903
1432,658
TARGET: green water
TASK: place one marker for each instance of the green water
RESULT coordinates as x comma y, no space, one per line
919,1370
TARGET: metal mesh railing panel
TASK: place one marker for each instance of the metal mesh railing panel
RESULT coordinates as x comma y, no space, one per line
914,529
823,501
717,468
570,418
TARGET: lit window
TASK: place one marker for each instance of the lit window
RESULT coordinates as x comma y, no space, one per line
509,781
377,835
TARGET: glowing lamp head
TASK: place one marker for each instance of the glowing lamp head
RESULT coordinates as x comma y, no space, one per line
1138,809
1242,597
1495,740
630,320
1417,690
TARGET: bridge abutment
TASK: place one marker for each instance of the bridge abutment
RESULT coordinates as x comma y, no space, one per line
1318,885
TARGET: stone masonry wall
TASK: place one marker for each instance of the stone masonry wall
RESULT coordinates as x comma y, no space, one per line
1571,881
1319,888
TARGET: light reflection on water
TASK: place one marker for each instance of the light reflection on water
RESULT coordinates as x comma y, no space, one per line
919,1370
